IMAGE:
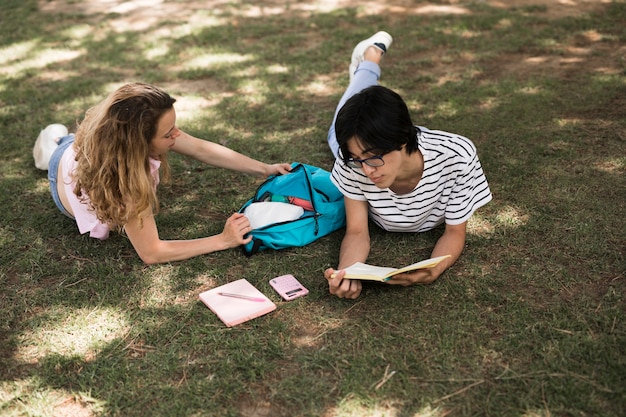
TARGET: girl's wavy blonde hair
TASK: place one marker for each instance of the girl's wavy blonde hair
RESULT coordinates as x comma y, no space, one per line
112,153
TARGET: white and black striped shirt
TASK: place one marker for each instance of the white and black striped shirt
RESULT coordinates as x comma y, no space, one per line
452,186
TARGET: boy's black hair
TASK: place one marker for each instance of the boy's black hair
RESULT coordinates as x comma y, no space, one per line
379,119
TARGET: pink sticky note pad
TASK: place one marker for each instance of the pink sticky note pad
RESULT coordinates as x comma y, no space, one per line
233,311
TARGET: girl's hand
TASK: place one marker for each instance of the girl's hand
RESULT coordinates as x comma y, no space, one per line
277,169
236,227
342,288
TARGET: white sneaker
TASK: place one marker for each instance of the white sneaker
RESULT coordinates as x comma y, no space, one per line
381,40
46,143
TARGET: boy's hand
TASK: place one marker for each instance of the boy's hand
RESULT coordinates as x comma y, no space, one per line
342,288
421,276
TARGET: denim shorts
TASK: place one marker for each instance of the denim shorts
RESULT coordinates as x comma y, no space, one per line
53,168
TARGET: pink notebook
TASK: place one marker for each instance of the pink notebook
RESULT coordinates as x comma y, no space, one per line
237,302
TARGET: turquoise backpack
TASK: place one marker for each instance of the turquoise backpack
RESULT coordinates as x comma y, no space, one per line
304,182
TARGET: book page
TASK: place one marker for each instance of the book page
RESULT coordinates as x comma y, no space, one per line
428,263
360,270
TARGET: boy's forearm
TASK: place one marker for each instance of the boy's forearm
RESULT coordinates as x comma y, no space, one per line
354,248
450,243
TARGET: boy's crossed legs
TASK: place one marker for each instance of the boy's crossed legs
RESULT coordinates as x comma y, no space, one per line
364,72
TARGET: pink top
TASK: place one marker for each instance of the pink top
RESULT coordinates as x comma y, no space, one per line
86,219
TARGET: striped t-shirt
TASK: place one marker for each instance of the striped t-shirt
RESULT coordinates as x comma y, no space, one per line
452,186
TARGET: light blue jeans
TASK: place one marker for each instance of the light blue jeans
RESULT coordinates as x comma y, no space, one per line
53,168
366,75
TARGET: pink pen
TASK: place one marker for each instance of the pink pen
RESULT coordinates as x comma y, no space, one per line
243,297
305,204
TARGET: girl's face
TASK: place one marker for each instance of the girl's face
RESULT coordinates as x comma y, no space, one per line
166,134
382,176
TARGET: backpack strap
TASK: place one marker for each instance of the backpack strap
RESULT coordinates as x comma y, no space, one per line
255,248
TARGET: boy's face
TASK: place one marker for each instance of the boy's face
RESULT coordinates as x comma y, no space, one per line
382,176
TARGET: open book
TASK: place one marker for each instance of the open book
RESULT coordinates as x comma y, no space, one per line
379,273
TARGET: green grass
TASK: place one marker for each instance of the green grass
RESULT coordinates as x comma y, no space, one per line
529,322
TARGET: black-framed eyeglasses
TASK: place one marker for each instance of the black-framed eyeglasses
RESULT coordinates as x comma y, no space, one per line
373,161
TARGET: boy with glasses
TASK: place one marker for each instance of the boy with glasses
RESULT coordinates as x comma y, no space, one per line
406,178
